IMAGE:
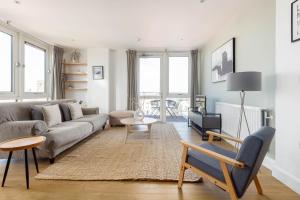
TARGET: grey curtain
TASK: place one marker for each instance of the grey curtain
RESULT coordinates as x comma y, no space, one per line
58,91
131,79
194,76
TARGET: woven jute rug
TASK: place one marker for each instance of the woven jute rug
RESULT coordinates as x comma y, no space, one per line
106,156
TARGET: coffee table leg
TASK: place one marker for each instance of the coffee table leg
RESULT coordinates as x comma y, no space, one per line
127,132
6,168
35,160
149,130
26,169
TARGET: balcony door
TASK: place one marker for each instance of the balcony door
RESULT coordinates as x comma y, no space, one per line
150,87
177,100
163,85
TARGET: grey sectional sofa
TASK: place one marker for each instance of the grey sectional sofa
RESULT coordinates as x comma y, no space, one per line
16,121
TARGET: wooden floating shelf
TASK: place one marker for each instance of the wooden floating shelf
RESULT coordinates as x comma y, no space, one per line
77,73
76,81
75,64
71,89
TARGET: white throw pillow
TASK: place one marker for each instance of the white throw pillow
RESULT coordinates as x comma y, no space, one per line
75,110
52,115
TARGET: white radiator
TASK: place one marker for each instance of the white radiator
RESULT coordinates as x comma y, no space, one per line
230,118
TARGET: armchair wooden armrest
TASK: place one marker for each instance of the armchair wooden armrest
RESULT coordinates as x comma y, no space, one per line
214,134
213,154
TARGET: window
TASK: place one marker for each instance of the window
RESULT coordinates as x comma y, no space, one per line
35,65
24,62
5,62
149,76
179,75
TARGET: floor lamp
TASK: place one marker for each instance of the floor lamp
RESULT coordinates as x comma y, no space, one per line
242,82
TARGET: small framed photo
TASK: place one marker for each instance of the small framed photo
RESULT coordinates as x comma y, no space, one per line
98,73
295,14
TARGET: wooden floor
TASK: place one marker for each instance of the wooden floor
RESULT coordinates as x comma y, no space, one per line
130,190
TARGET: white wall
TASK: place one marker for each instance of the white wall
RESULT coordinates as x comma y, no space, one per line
287,105
111,93
98,90
254,30
120,71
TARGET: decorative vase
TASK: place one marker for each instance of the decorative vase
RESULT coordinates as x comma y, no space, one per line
139,114
75,56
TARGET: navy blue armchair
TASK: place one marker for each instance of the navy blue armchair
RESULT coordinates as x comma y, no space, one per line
231,171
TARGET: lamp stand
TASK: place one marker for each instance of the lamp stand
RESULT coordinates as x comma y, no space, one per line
242,114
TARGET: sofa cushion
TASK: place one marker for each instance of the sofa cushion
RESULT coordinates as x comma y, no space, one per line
97,121
66,114
67,132
52,115
208,164
75,110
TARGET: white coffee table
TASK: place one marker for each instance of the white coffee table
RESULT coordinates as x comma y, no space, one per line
138,126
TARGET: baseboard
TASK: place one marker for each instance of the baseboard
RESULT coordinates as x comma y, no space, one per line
268,163
286,178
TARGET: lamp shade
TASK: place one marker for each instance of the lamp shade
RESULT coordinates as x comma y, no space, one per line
244,81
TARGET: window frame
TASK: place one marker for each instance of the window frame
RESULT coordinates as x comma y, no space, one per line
41,45
14,52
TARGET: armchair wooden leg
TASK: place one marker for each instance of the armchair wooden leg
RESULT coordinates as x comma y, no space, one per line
230,186
258,186
210,138
182,167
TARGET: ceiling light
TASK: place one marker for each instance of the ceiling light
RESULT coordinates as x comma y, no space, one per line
202,1
138,39
17,2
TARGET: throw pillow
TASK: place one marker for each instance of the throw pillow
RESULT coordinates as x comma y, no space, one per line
65,112
75,110
52,115
36,113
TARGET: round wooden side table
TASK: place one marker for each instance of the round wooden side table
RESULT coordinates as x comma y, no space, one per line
25,144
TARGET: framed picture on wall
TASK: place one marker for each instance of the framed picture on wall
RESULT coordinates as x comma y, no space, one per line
295,14
223,61
98,73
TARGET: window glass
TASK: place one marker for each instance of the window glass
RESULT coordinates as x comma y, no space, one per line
179,75
5,62
35,63
149,76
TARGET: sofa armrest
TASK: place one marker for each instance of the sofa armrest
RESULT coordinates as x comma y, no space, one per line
15,129
90,111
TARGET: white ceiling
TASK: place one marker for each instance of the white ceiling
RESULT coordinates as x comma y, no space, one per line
172,24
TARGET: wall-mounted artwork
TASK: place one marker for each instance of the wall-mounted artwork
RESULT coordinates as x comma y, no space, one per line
295,14
223,61
98,73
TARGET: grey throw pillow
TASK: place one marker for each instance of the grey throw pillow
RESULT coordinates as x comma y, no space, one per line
66,115
36,113
52,115
75,110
